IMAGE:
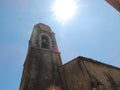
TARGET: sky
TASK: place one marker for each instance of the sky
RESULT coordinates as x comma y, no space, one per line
93,32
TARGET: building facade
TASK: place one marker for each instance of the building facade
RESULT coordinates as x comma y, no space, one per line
115,4
87,74
43,68
42,61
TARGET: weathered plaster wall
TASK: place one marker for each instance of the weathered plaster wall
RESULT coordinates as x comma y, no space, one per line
39,70
43,59
87,74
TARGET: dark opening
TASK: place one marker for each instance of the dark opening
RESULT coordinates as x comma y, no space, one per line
44,42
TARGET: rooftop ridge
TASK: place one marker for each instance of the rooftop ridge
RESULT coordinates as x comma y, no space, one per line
91,60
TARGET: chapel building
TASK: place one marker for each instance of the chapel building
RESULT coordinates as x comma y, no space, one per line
43,68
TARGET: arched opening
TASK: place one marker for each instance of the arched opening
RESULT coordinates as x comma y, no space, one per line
45,42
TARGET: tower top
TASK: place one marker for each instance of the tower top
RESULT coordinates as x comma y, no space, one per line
42,26
43,37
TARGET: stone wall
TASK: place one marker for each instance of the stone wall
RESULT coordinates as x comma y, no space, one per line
87,74
39,70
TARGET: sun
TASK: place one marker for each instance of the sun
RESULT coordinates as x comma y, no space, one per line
64,10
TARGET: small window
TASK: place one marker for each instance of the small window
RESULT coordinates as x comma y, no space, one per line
44,42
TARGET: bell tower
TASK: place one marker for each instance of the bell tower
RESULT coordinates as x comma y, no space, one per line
42,62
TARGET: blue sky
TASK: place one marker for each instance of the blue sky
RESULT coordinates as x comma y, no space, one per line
93,32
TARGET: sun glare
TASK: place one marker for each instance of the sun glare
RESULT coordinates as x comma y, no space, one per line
64,9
